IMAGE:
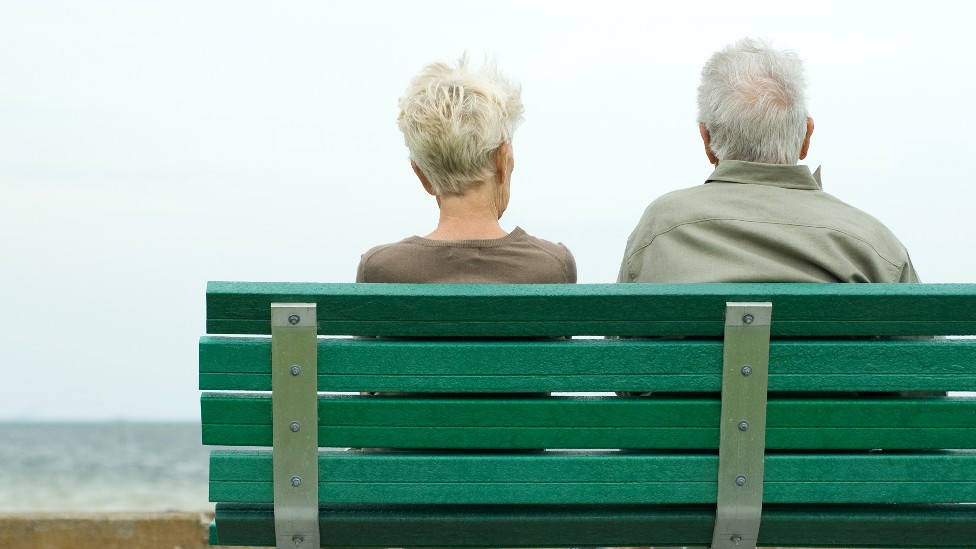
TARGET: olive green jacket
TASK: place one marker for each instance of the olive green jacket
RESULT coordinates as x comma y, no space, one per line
754,222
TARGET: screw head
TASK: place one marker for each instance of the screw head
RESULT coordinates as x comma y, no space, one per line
743,425
747,370
735,539
297,540
296,481
739,480
295,370
293,319
746,318
295,426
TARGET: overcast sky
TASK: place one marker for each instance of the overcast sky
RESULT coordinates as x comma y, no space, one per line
148,147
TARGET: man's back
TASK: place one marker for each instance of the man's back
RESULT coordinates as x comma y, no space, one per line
761,222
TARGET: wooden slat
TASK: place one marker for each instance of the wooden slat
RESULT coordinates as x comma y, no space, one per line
597,309
244,364
606,422
600,478
618,526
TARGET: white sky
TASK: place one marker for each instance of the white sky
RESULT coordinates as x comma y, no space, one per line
148,147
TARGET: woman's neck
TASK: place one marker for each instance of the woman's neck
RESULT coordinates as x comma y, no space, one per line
471,216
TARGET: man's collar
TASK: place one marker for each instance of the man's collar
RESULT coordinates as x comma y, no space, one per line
787,176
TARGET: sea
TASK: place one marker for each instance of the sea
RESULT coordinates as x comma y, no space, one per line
102,467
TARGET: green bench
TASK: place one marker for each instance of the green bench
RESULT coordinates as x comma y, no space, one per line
830,456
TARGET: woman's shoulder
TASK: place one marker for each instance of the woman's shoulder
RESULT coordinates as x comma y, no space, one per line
555,250
377,260
553,247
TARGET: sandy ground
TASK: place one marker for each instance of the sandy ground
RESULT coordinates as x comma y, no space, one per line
104,531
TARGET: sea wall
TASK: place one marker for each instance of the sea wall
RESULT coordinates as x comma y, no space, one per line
104,531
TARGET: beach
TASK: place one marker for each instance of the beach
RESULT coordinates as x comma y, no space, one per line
103,485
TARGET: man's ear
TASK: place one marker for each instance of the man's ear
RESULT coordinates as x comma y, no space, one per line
707,139
423,179
806,140
502,158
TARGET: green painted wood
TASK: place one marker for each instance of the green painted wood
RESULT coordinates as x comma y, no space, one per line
619,526
599,422
597,309
244,364
354,483
600,478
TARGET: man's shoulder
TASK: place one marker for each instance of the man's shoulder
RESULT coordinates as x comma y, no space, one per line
680,196
681,206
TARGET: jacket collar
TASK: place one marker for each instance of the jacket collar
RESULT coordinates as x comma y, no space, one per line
787,176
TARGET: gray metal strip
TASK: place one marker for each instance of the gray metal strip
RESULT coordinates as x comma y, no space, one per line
745,376
295,424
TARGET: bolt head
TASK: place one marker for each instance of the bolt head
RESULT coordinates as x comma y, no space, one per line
297,540
295,370
747,318
735,539
747,370
743,425
296,481
740,480
295,426
293,319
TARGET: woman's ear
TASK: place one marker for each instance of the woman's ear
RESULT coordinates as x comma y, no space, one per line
423,179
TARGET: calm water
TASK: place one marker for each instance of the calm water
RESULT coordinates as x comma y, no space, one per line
102,467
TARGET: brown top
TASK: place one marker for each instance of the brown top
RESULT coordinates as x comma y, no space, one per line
516,258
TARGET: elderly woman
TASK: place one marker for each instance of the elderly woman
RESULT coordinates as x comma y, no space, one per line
458,125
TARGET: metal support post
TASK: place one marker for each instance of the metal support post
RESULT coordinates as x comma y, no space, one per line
745,374
294,365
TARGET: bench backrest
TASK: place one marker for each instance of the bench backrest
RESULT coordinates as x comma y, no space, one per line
818,483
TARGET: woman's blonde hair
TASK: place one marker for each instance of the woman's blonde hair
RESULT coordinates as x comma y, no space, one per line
453,119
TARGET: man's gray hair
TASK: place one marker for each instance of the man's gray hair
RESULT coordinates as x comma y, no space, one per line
751,100
454,118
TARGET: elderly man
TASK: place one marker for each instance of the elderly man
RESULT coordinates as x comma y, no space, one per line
759,217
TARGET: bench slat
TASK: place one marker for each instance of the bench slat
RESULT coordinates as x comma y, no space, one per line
612,309
232,363
608,422
602,478
619,526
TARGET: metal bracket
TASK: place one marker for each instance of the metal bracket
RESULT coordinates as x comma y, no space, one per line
745,376
294,405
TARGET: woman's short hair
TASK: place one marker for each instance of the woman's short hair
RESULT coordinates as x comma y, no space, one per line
751,100
454,118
